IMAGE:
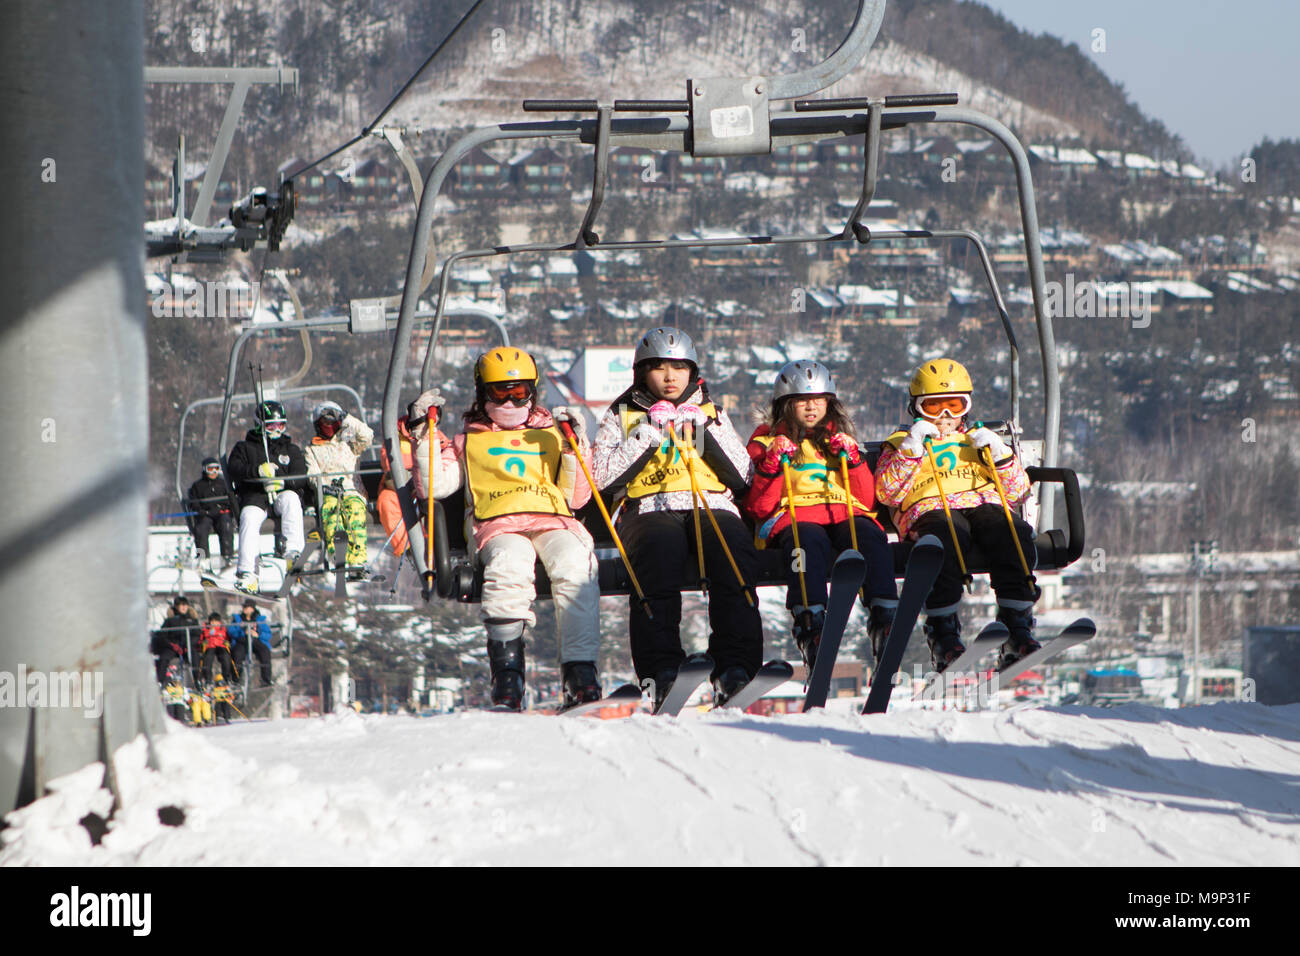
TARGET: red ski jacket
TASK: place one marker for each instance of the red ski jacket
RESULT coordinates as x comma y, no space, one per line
763,499
214,635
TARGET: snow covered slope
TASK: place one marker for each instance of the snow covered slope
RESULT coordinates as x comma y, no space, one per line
1130,785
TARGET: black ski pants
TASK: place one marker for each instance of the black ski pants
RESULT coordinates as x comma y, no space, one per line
260,651
222,656
821,544
984,527
661,546
225,528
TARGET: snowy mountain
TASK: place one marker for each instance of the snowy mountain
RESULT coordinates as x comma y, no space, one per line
1129,785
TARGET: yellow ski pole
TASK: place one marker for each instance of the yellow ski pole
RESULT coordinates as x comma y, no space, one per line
966,578
429,574
794,527
1006,509
609,523
848,499
696,492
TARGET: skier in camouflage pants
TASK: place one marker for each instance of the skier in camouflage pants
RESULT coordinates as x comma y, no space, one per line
331,462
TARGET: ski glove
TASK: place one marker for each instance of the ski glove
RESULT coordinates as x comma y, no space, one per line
780,447
663,413
692,414
987,438
841,444
267,470
564,413
913,446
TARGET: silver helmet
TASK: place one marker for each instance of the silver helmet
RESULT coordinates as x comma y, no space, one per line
666,342
803,378
327,410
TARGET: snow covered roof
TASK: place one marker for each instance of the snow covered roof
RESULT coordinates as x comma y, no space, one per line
768,356
866,296
1131,160
561,266
1063,155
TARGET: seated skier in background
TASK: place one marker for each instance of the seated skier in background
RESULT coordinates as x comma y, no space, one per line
331,464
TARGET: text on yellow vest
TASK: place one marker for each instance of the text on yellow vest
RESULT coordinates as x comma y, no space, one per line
812,481
666,470
957,464
514,471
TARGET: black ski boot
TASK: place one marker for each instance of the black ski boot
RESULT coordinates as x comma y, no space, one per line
878,625
730,683
661,684
943,634
581,685
507,661
1021,643
807,630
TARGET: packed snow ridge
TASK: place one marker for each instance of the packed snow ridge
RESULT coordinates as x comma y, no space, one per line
1131,785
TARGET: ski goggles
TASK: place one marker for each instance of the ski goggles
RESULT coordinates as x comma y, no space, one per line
934,406
516,393
211,469
275,428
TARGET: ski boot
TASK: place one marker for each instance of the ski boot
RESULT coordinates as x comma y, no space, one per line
1021,643
506,658
807,630
878,627
247,582
581,685
291,561
730,683
943,634
660,685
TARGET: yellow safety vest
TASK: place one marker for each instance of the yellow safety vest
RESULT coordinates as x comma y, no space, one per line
513,472
812,481
666,470
957,463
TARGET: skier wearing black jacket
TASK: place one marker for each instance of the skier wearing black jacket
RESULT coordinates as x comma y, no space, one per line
269,472
209,499
177,638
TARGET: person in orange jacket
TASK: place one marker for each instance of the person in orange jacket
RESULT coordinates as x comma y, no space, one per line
413,428
216,647
808,430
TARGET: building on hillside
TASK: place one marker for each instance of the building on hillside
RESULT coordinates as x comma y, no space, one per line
1061,164
540,172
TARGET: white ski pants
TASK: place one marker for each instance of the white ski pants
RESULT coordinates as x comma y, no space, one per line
509,590
289,507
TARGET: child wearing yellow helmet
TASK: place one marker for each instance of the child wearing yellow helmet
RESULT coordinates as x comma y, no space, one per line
935,477
523,485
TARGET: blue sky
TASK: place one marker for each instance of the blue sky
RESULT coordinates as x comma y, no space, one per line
1223,75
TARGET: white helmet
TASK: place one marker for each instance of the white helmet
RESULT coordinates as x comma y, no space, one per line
327,410
666,342
803,378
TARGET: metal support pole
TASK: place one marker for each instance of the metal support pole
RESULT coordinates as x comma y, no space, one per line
73,383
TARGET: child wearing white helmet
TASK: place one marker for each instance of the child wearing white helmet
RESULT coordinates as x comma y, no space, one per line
331,465
936,478
641,459
805,436
523,484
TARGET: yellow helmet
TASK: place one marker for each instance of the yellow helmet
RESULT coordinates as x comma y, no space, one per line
940,376
505,365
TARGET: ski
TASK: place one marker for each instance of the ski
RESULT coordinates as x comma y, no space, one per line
770,676
923,567
847,575
264,600
1074,633
340,566
617,698
692,672
989,639
293,577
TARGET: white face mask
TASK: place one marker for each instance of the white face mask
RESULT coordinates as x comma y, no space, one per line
508,416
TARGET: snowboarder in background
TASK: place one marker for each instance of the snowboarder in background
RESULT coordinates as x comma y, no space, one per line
413,429
269,471
940,458
209,500
241,632
177,639
638,460
331,463
807,431
523,484
215,643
